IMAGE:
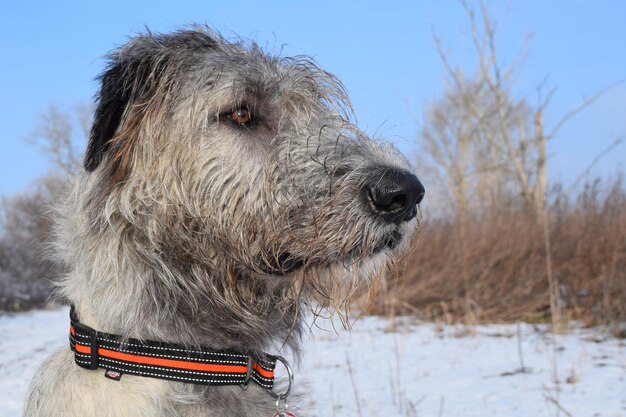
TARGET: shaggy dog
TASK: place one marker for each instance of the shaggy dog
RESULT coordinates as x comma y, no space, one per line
223,190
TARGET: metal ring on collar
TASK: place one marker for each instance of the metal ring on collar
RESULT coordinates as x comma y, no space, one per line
283,396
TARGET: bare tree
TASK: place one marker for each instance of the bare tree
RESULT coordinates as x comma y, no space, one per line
26,272
486,141
456,139
61,136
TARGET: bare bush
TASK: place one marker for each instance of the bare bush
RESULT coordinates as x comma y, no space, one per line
25,270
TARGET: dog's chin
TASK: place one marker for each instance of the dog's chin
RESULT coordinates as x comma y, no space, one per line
389,242
388,246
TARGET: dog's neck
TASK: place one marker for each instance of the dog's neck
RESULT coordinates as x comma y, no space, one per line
118,289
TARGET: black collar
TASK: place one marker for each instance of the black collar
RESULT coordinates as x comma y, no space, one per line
118,356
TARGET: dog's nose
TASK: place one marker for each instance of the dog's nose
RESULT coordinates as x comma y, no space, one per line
394,195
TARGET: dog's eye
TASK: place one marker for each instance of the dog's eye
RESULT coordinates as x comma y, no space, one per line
240,116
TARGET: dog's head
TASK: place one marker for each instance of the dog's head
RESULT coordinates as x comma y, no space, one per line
216,156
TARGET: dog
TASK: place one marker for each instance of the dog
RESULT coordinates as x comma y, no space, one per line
224,190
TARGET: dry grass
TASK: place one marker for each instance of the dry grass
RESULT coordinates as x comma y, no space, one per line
493,267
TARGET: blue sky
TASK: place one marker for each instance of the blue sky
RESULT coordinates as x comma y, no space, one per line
382,51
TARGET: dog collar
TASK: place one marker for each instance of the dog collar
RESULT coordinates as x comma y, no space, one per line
118,356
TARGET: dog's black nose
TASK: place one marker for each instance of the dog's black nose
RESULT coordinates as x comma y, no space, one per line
394,194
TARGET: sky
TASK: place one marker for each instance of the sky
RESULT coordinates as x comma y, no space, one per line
382,51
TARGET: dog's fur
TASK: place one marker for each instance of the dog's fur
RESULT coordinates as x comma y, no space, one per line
190,227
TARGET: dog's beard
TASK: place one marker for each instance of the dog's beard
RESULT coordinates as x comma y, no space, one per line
362,253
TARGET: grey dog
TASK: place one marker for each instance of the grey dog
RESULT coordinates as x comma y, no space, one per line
224,190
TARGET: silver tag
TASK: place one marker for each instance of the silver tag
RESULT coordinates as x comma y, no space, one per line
285,414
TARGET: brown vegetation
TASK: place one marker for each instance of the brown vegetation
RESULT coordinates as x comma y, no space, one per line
494,267
495,246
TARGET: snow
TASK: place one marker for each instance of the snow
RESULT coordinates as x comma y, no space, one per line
424,370
401,367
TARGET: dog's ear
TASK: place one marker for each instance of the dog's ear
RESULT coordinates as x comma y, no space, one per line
112,101
137,80
129,83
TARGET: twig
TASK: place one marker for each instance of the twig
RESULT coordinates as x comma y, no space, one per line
520,352
550,398
441,406
331,396
522,369
598,157
398,383
585,103
354,388
555,312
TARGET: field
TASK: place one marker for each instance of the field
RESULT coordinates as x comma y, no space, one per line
401,367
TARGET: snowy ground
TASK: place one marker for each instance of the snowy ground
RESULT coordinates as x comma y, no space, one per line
415,370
